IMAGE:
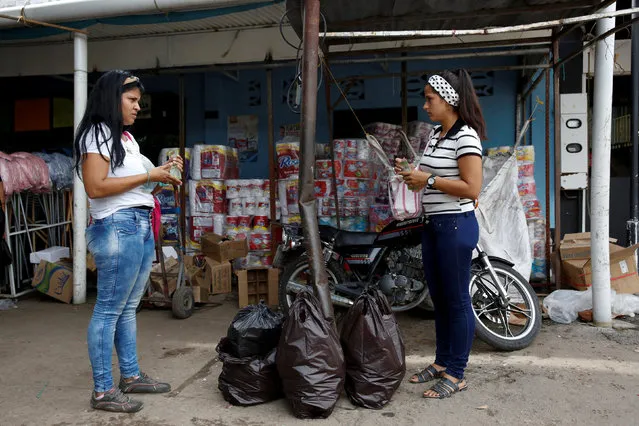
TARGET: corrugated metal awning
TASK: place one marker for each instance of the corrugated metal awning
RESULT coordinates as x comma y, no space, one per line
260,15
381,15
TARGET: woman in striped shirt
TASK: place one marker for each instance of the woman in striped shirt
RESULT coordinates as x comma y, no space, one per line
450,176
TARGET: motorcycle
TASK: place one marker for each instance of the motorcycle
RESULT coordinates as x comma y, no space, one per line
506,308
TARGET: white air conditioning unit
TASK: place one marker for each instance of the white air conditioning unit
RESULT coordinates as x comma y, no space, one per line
574,141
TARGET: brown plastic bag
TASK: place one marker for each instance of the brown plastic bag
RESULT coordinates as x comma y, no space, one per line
250,380
310,360
373,351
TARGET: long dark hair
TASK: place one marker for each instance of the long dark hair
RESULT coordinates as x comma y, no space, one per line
104,112
468,109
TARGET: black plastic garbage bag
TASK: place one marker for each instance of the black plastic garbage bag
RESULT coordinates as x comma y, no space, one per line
310,360
248,381
254,331
373,351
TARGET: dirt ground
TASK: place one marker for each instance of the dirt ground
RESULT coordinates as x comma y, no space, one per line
572,374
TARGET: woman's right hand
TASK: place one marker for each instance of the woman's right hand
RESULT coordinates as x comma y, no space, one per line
163,174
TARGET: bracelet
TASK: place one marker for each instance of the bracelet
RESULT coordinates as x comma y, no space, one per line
148,177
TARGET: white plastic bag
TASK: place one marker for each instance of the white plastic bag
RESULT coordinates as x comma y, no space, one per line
625,304
503,230
564,305
405,203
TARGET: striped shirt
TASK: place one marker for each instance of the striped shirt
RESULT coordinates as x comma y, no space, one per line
440,158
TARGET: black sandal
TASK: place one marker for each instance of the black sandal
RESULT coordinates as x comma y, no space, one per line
445,388
427,374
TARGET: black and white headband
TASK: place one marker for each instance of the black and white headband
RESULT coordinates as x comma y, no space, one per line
445,90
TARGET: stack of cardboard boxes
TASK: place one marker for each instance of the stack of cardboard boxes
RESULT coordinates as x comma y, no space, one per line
576,264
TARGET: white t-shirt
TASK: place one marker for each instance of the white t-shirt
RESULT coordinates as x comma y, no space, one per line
133,165
440,159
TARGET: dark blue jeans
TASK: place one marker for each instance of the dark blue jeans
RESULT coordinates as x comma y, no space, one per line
123,247
447,247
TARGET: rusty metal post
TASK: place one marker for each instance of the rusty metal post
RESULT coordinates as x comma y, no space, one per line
557,111
307,202
547,167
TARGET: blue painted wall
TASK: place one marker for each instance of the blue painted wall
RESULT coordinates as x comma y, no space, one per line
222,96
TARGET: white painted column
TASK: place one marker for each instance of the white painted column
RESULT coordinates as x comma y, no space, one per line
80,84
600,185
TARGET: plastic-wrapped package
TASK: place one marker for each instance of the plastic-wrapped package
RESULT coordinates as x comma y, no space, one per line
357,169
214,162
323,188
170,226
355,224
289,195
288,159
207,196
199,225
380,215
61,169
324,169
34,172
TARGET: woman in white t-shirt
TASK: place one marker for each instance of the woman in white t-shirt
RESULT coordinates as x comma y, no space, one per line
118,180
451,177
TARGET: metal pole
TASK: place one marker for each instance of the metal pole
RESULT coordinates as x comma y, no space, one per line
79,195
307,202
272,176
632,226
404,95
557,144
547,167
600,181
182,148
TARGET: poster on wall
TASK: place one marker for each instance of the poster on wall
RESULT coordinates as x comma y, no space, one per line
242,134
292,130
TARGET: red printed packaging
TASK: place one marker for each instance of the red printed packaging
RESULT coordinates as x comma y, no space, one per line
357,169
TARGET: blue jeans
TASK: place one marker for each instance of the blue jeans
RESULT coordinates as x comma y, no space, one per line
447,247
123,247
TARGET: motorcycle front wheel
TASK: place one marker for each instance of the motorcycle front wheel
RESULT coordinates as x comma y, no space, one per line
507,326
297,273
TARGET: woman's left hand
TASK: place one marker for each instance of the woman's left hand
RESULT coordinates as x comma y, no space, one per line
415,179
177,160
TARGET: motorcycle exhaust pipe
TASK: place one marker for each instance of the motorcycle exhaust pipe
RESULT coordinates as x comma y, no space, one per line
335,298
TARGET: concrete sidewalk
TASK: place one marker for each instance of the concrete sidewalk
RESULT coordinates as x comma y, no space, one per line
572,374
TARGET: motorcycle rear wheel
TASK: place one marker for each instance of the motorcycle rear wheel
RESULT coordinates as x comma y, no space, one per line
508,328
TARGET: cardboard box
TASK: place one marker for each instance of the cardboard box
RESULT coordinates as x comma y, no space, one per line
258,284
217,276
216,248
200,294
576,264
577,246
54,279
171,266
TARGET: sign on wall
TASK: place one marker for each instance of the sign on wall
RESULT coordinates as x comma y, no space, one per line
243,135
